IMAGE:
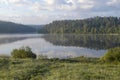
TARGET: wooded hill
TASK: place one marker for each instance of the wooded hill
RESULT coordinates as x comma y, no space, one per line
96,25
9,27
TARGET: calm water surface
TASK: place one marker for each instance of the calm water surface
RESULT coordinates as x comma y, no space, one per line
60,46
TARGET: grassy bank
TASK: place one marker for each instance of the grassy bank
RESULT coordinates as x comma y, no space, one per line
80,68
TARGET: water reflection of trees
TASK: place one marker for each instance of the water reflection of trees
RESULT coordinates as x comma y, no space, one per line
87,41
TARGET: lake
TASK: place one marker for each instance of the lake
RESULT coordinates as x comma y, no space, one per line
60,46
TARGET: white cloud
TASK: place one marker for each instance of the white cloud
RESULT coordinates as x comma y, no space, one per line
113,2
3,1
85,1
52,5
14,1
10,1
36,7
86,4
68,5
50,2
44,11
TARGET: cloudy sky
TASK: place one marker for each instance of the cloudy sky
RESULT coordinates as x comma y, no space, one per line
46,11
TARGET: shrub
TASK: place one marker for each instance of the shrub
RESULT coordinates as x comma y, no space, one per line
23,52
113,55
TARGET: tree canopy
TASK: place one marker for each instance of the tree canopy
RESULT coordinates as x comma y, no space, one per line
23,52
113,55
96,25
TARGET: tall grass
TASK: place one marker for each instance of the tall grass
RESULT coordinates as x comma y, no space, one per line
58,69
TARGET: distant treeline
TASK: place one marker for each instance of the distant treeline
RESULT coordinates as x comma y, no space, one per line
96,25
9,27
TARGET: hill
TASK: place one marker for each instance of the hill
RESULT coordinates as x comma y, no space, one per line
10,27
37,27
96,25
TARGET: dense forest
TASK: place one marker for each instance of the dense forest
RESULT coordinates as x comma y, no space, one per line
96,25
9,27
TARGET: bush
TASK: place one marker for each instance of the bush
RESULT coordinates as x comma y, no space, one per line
113,55
23,52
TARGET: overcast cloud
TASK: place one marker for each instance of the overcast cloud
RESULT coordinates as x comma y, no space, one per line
45,11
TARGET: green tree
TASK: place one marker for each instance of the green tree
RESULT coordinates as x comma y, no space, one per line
23,52
113,55
96,25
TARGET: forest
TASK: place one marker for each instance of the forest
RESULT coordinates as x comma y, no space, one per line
10,27
95,25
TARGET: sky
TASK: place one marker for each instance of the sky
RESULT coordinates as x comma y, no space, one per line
45,11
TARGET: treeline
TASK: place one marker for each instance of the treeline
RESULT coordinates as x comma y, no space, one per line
96,25
9,27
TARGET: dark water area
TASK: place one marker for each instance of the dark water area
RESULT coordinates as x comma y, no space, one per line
97,42
60,46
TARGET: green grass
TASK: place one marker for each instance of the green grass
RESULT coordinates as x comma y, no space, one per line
80,68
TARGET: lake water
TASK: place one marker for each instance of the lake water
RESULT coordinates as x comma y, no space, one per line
60,46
